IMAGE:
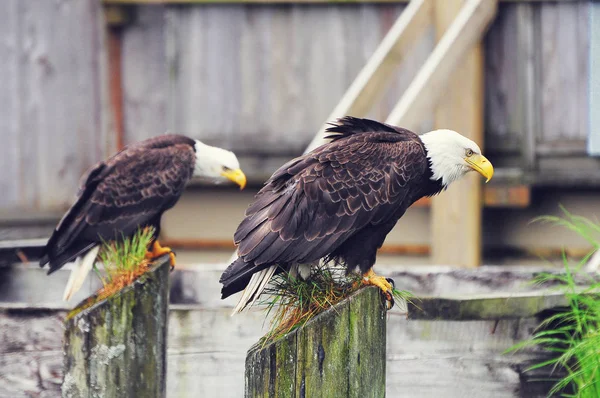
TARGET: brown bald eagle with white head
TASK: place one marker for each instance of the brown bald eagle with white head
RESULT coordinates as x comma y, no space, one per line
340,201
130,190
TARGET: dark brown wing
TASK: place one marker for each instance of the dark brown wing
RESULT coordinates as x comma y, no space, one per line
314,203
132,188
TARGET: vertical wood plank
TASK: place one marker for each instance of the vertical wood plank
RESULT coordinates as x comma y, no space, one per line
372,81
323,355
10,98
145,75
564,58
55,122
456,213
594,76
512,82
365,373
238,73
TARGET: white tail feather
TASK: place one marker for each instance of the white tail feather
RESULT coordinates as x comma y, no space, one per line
257,284
81,269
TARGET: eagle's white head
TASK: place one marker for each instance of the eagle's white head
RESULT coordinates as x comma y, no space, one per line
451,156
217,164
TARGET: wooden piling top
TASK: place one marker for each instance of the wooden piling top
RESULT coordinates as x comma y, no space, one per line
339,353
117,346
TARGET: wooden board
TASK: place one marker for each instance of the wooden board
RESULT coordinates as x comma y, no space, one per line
564,57
291,1
339,353
456,213
459,35
593,145
118,346
53,121
481,307
373,79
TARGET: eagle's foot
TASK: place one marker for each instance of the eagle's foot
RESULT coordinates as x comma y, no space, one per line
158,250
385,284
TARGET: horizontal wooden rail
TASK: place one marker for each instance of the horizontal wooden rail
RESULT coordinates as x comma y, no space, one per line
489,306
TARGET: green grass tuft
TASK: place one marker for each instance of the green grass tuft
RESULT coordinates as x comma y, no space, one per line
574,335
293,301
124,260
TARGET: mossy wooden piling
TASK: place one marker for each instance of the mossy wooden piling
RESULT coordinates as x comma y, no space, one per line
117,346
339,353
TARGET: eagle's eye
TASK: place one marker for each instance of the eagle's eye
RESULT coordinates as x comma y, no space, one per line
469,152
225,168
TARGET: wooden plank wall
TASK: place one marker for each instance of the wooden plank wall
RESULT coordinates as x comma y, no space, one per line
259,79
53,123
537,79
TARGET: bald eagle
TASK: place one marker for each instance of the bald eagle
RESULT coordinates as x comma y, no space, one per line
339,201
132,189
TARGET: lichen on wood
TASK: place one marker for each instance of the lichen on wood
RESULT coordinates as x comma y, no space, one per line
339,353
117,346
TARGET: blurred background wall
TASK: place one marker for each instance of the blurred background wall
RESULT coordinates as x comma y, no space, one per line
260,79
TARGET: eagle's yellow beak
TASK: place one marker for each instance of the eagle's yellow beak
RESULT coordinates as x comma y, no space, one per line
236,176
480,164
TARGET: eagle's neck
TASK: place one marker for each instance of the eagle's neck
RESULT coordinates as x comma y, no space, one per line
431,186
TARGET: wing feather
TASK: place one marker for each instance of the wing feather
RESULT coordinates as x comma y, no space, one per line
313,203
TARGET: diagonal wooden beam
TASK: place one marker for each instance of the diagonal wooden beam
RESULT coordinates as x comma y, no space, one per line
419,100
373,79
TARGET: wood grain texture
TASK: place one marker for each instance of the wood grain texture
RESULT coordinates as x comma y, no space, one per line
258,80
339,353
512,81
144,2
461,109
593,144
117,347
564,55
461,27
479,307
262,84
53,121
373,80
145,76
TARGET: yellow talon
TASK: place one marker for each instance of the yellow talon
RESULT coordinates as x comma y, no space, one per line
158,250
371,278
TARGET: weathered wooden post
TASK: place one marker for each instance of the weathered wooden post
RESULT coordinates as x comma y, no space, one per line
117,346
339,353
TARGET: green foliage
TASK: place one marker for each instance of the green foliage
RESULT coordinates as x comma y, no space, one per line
574,335
293,301
124,260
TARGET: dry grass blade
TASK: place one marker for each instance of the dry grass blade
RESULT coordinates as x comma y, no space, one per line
124,261
293,301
